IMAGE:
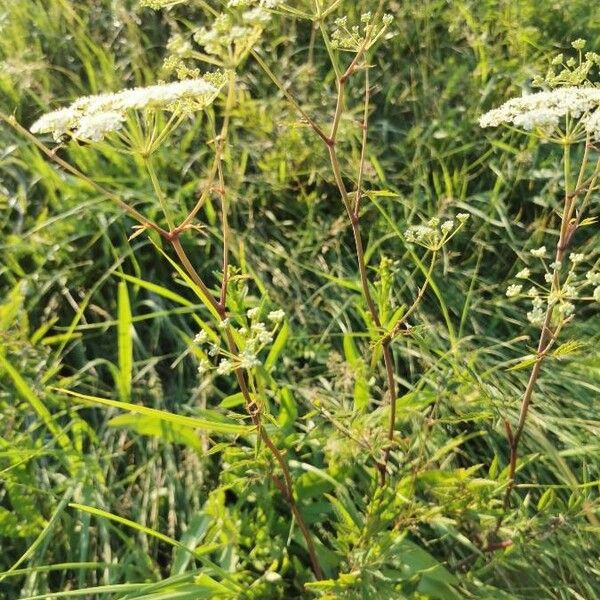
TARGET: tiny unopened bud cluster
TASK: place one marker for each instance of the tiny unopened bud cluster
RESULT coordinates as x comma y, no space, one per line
435,233
355,38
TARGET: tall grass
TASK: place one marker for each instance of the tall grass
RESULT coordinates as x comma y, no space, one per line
176,501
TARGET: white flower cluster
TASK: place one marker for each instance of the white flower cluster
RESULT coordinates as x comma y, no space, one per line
92,117
559,295
544,110
434,234
255,337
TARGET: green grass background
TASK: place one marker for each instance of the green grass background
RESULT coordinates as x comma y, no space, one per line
74,293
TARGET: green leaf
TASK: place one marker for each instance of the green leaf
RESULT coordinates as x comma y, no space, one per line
546,499
361,387
568,347
524,363
232,400
155,427
43,534
11,308
98,512
195,532
217,426
418,561
156,289
288,413
277,346
38,406
125,342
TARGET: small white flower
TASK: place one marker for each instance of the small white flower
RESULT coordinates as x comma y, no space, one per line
224,324
252,313
462,217
576,257
447,226
548,277
203,367
536,316
248,359
256,16
592,124
523,274
276,316
94,127
513,290
421,234
541,251
201,337
566,309
225,366
265,337
593,277
537,302
57,122
92,117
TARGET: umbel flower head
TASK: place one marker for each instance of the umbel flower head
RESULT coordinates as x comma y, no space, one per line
543,112
92,117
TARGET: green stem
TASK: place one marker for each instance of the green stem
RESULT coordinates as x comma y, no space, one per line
158,191
254,411
547,336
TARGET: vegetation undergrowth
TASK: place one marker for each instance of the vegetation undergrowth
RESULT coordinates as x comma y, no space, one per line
279,318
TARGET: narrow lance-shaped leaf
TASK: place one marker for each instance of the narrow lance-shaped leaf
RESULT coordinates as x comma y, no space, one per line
125,342
217,426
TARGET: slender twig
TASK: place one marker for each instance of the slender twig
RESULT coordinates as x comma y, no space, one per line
206,192
254,410
220,307
363,147
353,215
187,265
162,199
402,321
225,228
289,97
220,142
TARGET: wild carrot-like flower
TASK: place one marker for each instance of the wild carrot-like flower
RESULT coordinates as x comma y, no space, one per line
92,117
543,112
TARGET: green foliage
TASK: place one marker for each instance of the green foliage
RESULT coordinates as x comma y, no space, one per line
127,473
